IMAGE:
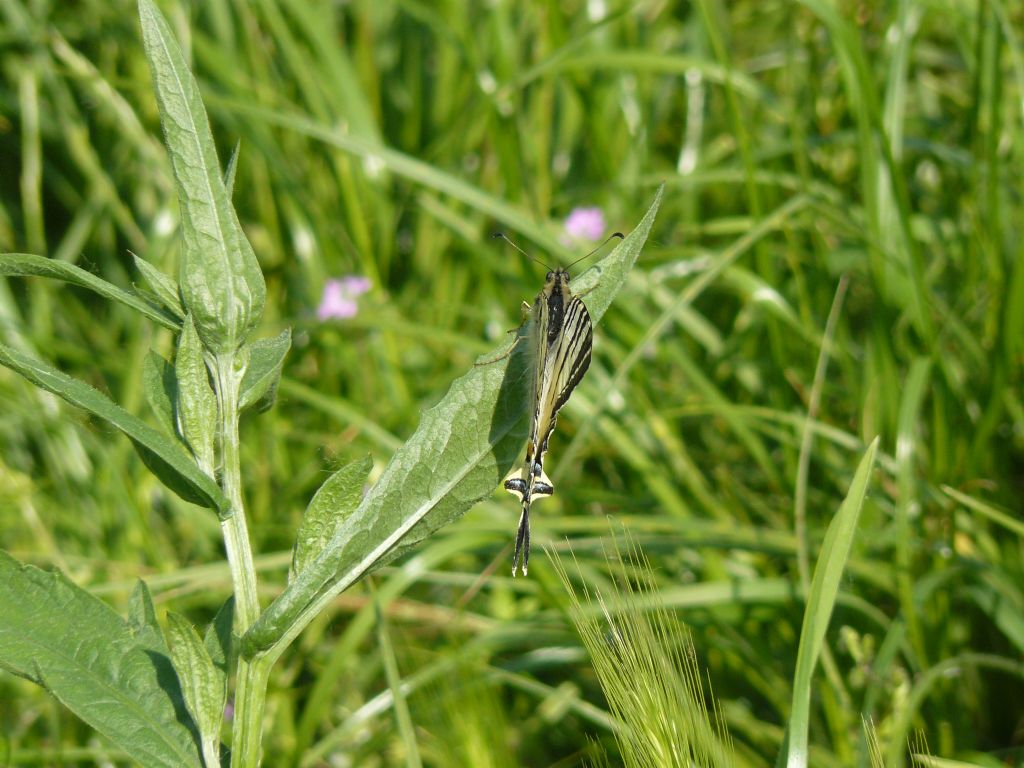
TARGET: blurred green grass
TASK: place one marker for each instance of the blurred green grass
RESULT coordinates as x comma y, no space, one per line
800,143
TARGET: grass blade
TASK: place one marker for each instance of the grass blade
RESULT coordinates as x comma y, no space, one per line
820,601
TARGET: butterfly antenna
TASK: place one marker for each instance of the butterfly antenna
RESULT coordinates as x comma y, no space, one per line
501,235
602,245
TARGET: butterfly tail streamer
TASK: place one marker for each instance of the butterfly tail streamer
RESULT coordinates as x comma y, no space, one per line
522,541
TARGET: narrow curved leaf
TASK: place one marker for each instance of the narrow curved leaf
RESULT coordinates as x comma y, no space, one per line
459,453
164,288
835,549
997,516
197,404
29,265
167,460
58,635
202,682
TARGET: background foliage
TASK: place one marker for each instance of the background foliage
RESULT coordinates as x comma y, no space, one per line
862,152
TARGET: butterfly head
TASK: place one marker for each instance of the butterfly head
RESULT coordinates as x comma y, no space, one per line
557,276
557,283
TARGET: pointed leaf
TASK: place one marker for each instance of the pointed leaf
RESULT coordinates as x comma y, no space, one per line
461,450
219,640
29,265
204,685
141,611
333,502
60,636
197,404
259,385
166,459
164,288
161,388
142,619
821,599
169,475
229,174
220,279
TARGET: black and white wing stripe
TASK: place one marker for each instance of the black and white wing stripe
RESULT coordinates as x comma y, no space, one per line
567,360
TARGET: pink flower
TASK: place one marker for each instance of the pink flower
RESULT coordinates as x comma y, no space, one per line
339,297
585,224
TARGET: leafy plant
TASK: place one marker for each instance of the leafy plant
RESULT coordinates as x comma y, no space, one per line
871,146
162,702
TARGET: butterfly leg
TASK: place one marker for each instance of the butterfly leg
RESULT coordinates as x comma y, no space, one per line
525,310
504,354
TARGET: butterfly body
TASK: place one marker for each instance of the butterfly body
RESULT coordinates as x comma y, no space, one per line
560,336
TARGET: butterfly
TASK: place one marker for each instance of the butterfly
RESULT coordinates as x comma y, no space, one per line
560,335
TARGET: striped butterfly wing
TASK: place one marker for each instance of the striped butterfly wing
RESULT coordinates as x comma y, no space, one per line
540,346
566,361
520,481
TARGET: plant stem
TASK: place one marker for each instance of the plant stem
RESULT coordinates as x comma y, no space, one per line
211,751
250,697
251,682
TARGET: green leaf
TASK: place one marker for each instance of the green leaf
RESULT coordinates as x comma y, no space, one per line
259,385
164,288
170,475
63,638
334,501
204,685
28,265
166,459
141,611
161,388
160,383
835,549
142,619
461,450
229,174
221,645
221,282
197,404
219,640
